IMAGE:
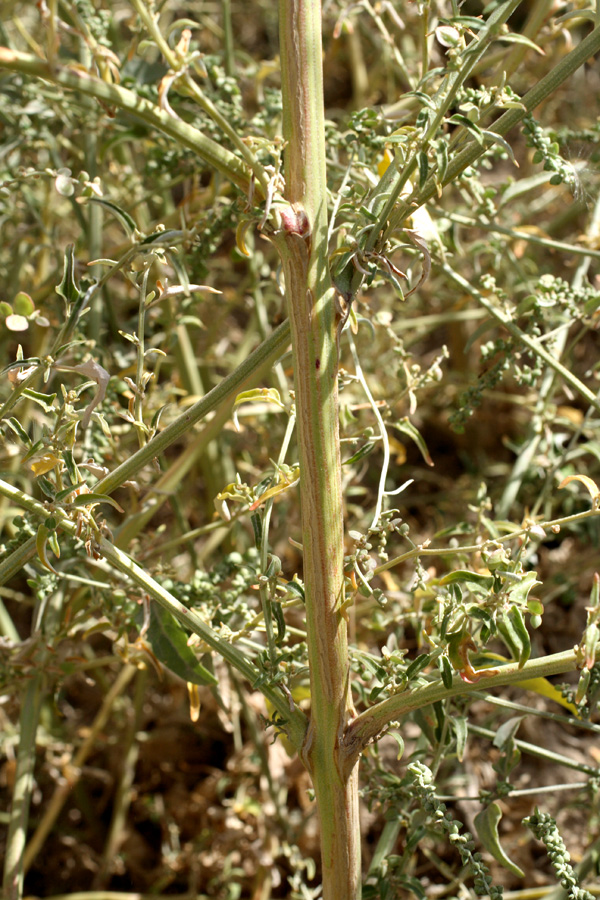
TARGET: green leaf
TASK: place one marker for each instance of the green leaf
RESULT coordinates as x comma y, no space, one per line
122,217
535,607
67,289
590,14
445,671
406,427
23,305
418,664
458,119
494,138
362,452
461,730
47,487
279,621
423,168
464,575
506,733
46,401
513,38
399,740
513,631
296,590
89,498
257,395
18,429
486,824
520,591
70,466
412,886
441,155
168,640
41,541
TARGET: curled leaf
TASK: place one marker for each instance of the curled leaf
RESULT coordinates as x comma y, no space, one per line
258,395
465,576
591,485
240,236
194,697
91,369
406,427
89,498
41,543
169,639
486,824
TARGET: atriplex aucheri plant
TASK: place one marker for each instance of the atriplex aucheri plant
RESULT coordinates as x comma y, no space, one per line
436,253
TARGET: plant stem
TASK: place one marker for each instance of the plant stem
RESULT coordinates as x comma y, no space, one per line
516,235
150,113
265,589
372,722
589,46
425,550
19,814
15,561
302,244
393,184
295,718
557,759
246,375
536,348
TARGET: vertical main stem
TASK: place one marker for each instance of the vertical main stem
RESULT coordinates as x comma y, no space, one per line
302,243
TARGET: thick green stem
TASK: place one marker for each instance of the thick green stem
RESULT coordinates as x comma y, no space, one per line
374,721
302,243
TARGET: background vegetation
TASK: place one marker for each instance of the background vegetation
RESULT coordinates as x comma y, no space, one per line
135,279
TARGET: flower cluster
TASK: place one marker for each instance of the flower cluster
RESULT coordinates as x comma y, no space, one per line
545,830
482,883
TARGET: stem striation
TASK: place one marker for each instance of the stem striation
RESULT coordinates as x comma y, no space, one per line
302,244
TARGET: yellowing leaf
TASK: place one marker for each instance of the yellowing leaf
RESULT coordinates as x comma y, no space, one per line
258,395
41,542
282,485
194,697
544,688
384,165
301,697
44,464
240,235
588,482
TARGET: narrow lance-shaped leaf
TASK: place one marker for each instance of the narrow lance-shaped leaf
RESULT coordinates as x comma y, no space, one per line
406,427
486,823
512,630
169,644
